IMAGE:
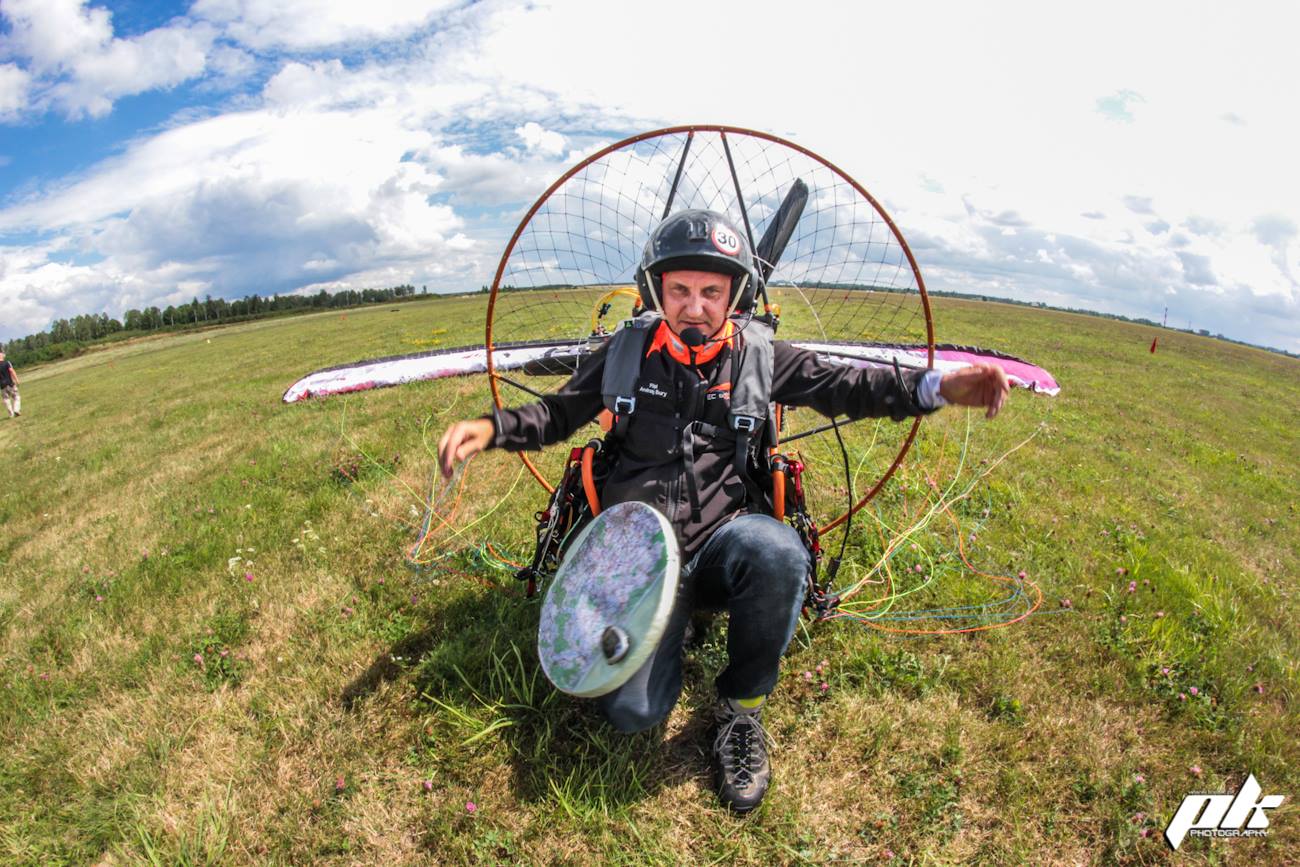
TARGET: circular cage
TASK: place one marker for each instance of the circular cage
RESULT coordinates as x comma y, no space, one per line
846,276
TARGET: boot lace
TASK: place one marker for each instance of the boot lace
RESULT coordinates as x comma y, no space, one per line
735,745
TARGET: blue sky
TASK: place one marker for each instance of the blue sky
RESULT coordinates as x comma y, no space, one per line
1117,157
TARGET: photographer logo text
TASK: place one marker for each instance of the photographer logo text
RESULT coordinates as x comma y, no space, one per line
1225,815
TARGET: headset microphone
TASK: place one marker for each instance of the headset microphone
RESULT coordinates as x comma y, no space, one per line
693,338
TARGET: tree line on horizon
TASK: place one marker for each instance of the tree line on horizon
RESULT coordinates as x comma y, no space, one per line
68,337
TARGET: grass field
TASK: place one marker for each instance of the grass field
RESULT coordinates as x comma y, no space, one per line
211,650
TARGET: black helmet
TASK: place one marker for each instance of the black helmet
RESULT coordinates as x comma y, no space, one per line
696,240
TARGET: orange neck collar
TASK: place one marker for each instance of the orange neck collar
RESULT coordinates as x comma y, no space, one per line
666,341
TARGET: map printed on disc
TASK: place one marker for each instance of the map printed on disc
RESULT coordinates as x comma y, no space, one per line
608,605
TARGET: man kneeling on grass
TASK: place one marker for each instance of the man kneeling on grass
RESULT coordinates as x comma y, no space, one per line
677,450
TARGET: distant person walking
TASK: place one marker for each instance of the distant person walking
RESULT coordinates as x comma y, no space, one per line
9,386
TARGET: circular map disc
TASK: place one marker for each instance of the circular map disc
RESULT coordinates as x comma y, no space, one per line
609,602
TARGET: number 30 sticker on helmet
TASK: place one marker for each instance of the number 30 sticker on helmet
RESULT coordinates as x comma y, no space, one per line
726,240
609,603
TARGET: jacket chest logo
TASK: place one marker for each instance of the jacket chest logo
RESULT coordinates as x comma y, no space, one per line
653,389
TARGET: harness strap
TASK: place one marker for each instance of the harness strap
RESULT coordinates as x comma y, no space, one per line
688,455
742,466
751,391
751,401
623,359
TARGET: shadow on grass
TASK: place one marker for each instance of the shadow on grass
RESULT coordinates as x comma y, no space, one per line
476,671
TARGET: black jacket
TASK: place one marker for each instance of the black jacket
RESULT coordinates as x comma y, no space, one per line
680,422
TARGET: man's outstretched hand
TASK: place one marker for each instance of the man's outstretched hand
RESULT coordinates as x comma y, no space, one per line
978,385
463,440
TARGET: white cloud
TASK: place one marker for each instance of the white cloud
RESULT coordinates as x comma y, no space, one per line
230,62
305,85
161,58
81,68
259,201
312,24
538,138
1138,205
14,82
37,286
55,33
1274,229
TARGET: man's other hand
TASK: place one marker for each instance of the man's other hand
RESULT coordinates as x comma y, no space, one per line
463,440
978,385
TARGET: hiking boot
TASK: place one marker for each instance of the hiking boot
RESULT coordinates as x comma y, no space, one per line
740,763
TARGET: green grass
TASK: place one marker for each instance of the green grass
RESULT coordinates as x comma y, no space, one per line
332,681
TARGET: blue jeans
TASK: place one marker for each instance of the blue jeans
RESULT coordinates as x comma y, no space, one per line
754,567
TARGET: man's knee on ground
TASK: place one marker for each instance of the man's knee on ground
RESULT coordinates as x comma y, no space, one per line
780,553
